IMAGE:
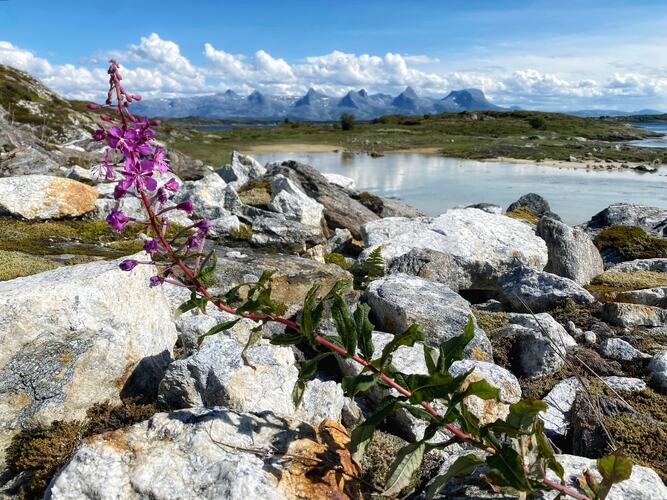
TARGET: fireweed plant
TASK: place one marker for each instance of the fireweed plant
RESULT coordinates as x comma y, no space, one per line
513,455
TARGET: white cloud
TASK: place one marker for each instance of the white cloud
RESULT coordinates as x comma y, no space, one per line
548,79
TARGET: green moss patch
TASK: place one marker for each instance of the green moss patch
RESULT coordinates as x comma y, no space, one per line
523,213
338,259
631,243
373,202
608,282
16,264
243,232
40,452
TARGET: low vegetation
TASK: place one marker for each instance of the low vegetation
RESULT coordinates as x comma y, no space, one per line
631,243
17,264
478,135
622,282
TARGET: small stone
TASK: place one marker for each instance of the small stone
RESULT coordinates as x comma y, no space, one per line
658,370
620,350
590,337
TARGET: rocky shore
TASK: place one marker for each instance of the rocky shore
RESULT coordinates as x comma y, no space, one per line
106,393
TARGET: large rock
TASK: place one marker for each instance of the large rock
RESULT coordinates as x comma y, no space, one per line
572,254
528,290
656,297
651,219
340,209
210,453
217,375
535,204
45,197
288,199
185,167
399,300
76,336
207,196
482,245
541,343
627,315
241,170
293,276
430,265
658,370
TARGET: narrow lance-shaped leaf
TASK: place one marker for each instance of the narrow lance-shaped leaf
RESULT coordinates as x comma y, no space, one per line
507,469
452,350
253,338
363,433
364,331
218,328
345,324
358,383
407,338
306,322
407,461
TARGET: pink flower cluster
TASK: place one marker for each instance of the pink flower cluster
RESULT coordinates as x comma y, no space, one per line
140,165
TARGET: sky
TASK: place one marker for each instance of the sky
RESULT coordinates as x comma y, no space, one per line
548,55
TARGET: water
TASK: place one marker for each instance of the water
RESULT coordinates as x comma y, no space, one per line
652,142
228,126
433,183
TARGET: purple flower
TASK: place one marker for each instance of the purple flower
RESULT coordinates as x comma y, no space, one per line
99,134
186,206
158,160
172,185
127,140
162,195
203,226
150,246
117,219
128,265
193,241
104,168
118,192
156,280
139,173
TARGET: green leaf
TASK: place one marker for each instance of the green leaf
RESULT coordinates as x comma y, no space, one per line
372,268
363,433
255,335
430,387
309,366
429,360
345,324
614,468
218,328
452,350
297,392
407,338
358,383
308,324
463,466
364,330
265,277
288,338
185,307
523,414
508,466
407,462
546,450
482,389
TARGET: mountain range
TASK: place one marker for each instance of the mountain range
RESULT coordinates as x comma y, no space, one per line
313,106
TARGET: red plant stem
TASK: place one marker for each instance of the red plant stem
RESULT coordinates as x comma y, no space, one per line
330,345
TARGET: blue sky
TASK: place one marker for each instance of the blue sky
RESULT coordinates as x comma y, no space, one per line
540,54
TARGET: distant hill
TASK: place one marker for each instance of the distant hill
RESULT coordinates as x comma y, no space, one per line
314,105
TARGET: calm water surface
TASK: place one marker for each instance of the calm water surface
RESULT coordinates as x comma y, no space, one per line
652,142
434,184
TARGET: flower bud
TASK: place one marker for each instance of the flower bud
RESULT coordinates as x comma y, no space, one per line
105,118
150,246
155,123
136,97
186,206
128,265
93,106
156,280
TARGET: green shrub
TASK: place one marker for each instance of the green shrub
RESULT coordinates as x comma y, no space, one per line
347,121
338,259
537,122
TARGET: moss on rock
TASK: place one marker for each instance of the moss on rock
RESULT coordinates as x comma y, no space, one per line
630,243
608,282
256,193
243,232
338,259
17,264
40,452
523,213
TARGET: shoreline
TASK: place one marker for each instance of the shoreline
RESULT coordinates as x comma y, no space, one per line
329,148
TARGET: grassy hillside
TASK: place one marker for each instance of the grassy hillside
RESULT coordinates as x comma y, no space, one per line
478,135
